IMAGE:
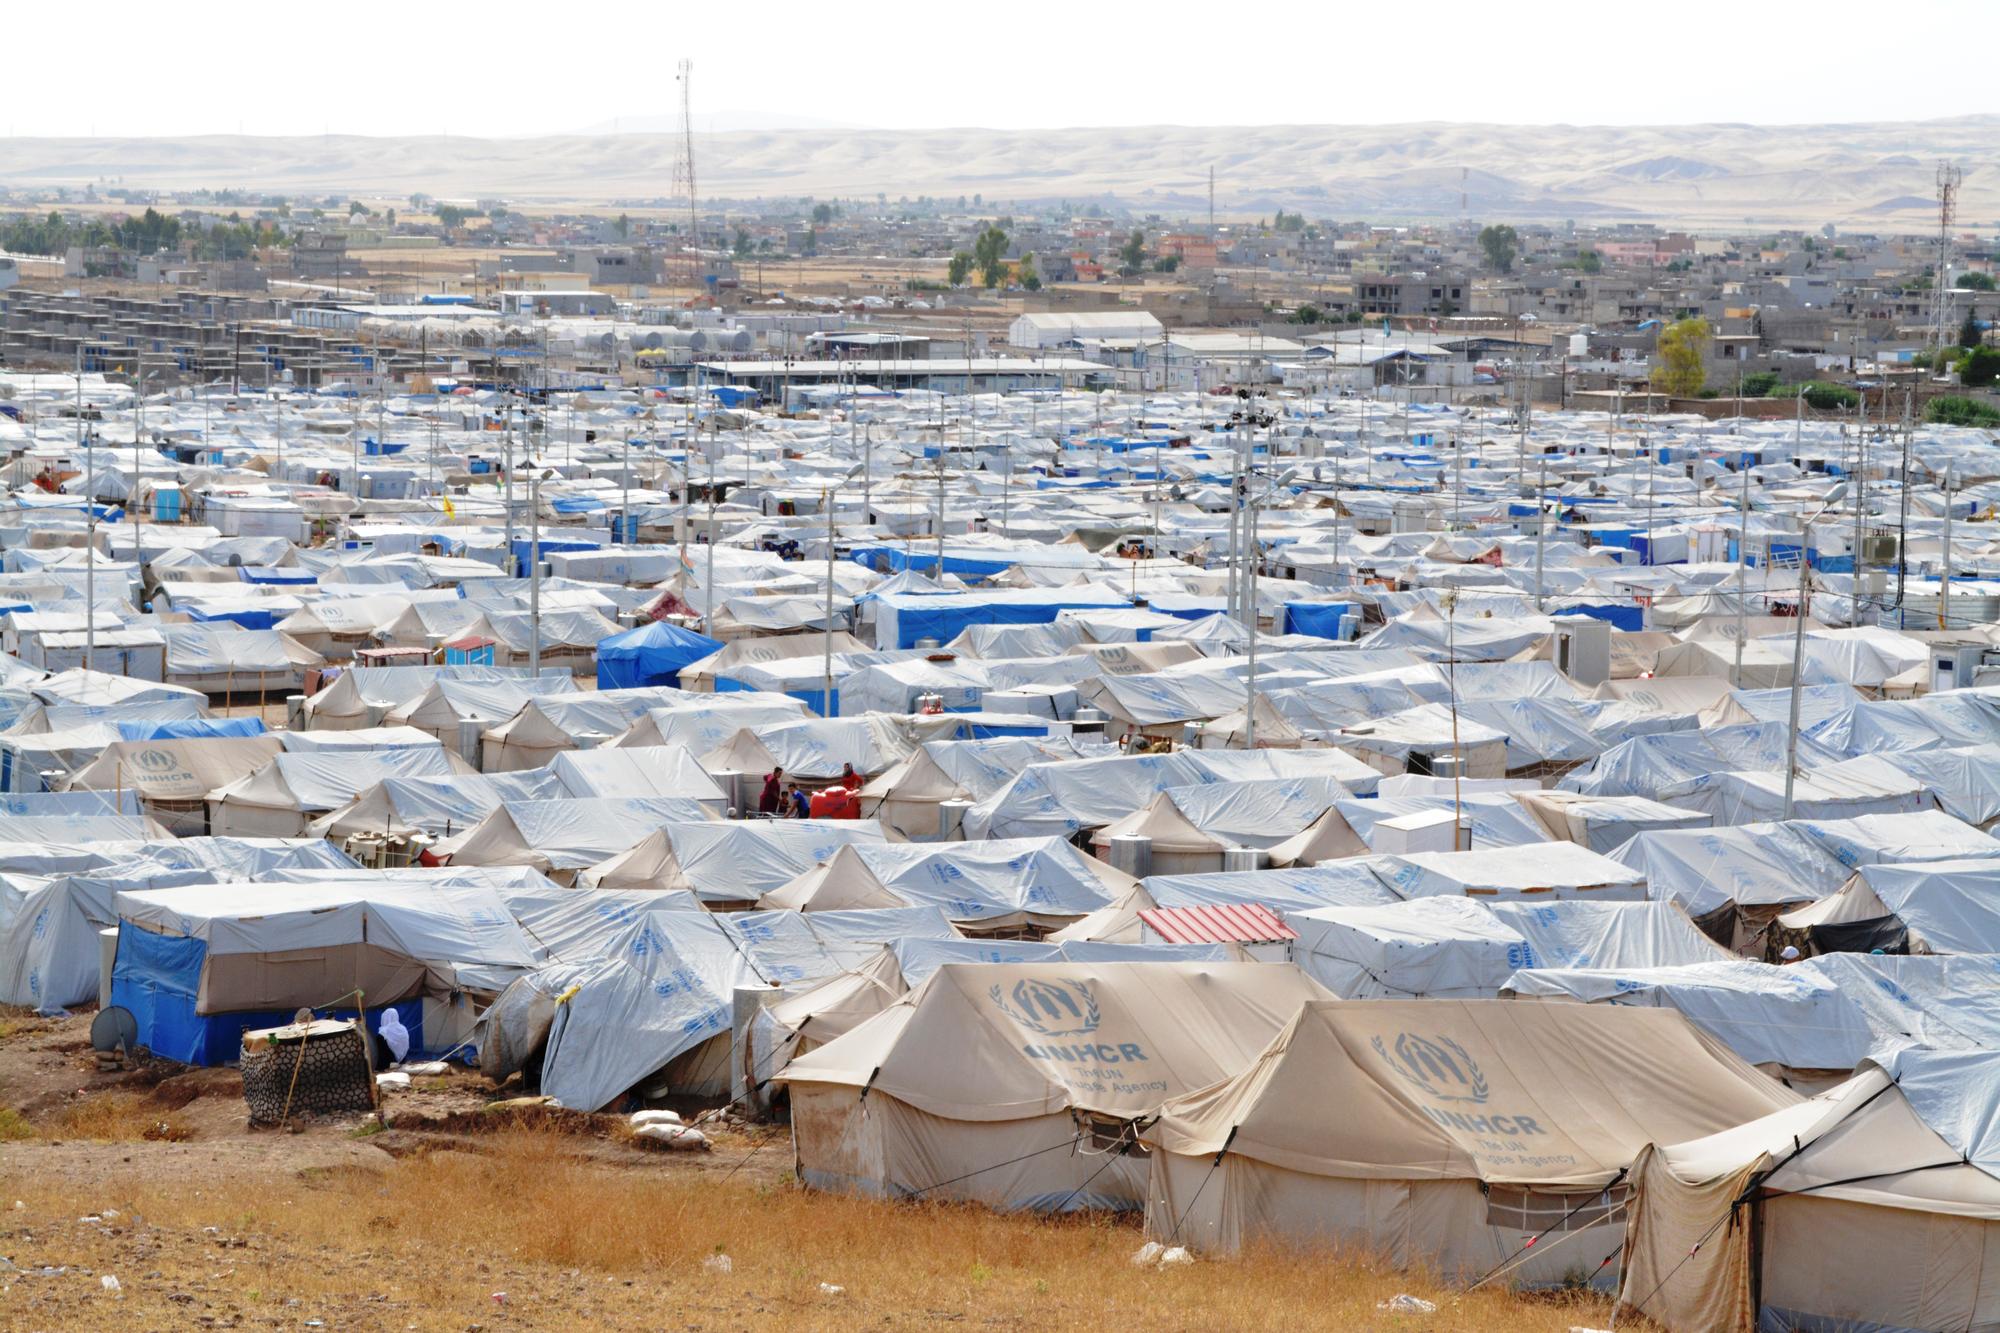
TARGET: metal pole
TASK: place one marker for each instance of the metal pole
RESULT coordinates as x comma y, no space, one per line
1944,580
89,531
826,682
1742,567
1860,493
625,505
1798,673
1541,524
535,570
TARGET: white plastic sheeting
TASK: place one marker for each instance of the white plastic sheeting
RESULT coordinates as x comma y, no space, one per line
1768,1015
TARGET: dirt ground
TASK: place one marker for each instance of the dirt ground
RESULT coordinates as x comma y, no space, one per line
142,1199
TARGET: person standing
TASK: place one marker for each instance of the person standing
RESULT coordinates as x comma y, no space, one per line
773,794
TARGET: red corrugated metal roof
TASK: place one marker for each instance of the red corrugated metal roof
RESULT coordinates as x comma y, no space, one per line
1224,923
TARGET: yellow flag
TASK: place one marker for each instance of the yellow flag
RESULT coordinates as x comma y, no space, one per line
449,510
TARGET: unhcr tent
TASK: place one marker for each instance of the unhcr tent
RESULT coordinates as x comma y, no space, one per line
1873,1206
1021,1085
1440,1132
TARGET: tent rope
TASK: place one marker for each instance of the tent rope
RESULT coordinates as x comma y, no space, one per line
1530,1243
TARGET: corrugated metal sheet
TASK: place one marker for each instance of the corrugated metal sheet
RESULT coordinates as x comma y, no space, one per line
1223,923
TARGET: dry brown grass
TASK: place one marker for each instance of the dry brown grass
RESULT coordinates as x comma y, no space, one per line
583,1246
120,1117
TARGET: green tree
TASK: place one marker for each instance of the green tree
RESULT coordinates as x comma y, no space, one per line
1969,333
355,208
622,225
1029,277
1589,261
497,212
1308,314
959,269
743,248
1974,282
1954,410
1290,221
811,246
1824,397
451,217
1132,254
1679,368
989,253
822,214
1979,367
1501,243
1759,384
1166,263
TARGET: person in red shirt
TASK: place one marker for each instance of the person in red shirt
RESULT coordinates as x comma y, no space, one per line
774,792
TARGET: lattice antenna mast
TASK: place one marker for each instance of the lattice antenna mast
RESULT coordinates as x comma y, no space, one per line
684,174
1948,178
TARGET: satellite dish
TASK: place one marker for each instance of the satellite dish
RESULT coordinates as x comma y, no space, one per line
114,1029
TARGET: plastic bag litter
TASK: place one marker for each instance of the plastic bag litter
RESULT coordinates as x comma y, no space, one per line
656,1118
108,1282
393,1082
1177,1255
423,1068
1148,1254
830,1289
718,1263
678,1137
1404,1303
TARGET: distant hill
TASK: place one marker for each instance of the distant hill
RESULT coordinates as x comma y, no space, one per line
1875,174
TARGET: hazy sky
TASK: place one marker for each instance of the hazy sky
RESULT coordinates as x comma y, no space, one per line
508,68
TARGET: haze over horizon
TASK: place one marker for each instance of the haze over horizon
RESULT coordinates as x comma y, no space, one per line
916,67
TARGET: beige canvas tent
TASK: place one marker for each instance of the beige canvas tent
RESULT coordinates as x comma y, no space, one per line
174,777
1872,1206
1020,1085
1442,1132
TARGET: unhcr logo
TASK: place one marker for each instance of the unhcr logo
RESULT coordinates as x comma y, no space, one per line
154,761
1052,1008
1441,1067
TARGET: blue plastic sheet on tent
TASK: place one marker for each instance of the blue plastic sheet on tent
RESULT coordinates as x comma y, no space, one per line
190,728
158,976
1319,619
652,654
915,616
523,547
813,699
885,559
249,617
276,574
1622,615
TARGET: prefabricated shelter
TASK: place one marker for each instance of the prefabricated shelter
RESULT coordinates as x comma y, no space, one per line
1021,1086
1440,1132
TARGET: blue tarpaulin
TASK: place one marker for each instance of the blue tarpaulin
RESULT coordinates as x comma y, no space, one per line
1320,619
249,617
189,728
901,619
1622,615
158,977
652,654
